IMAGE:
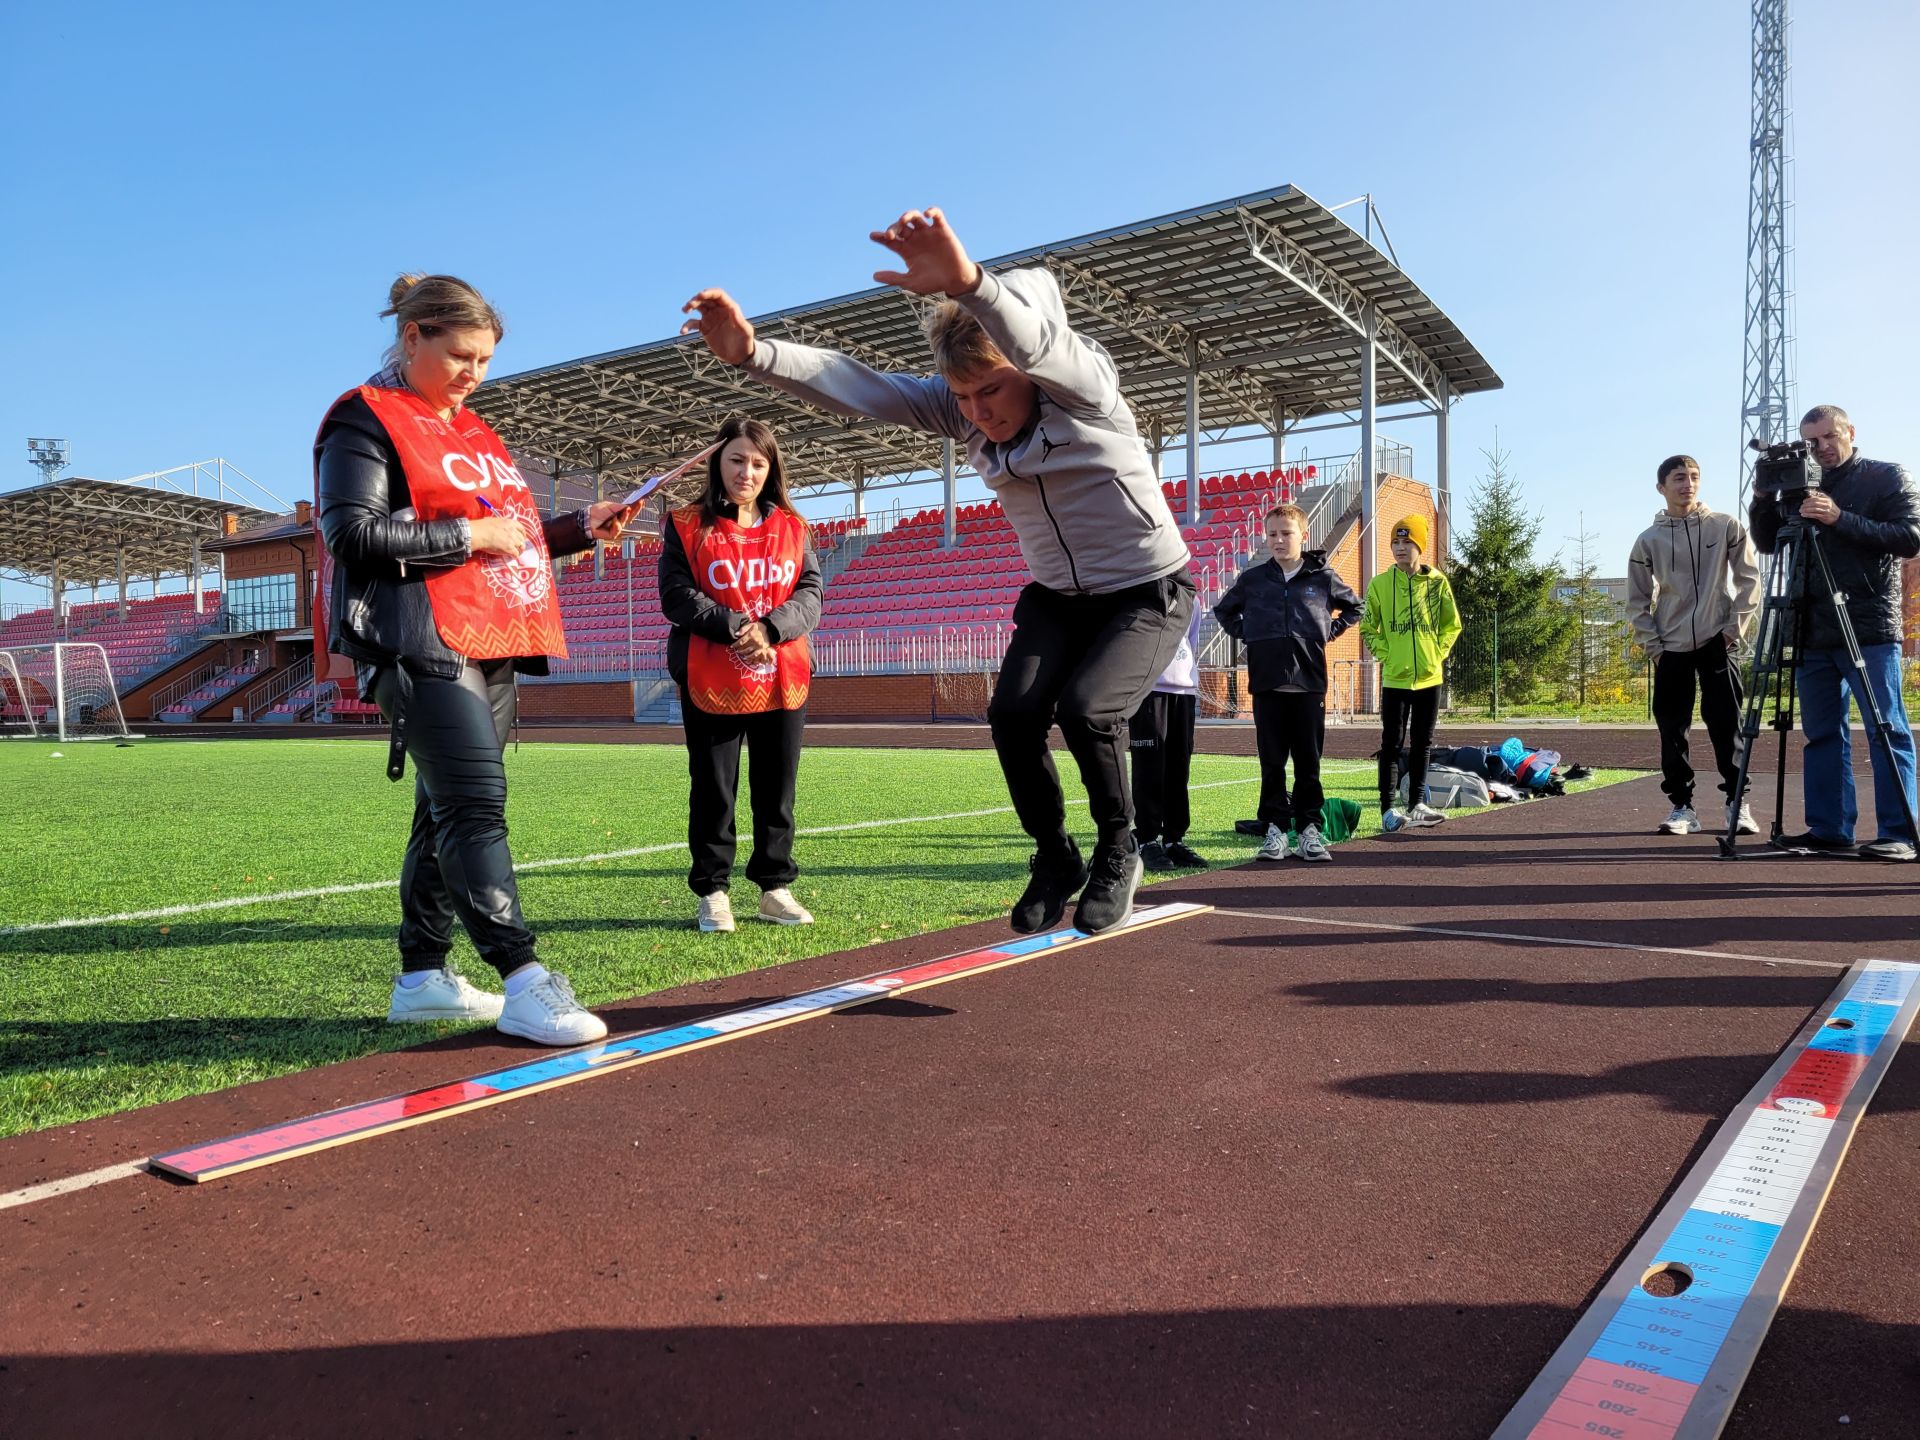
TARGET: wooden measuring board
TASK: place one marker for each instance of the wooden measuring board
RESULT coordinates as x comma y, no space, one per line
1641,1365
396,1112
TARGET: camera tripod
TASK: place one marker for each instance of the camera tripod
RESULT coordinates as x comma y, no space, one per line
1784,612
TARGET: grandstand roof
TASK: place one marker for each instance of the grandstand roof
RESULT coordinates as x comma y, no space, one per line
1263,294
87,524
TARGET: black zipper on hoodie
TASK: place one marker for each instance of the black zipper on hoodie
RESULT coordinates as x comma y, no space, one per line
1040,486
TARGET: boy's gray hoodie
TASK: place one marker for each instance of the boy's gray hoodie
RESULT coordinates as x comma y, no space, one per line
1076,484
1689,578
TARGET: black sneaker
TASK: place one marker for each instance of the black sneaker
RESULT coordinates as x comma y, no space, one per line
1824,844
1056,880
1108,899
1183,857
1155,856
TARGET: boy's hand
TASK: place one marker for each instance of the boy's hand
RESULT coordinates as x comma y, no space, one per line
936,260
722,324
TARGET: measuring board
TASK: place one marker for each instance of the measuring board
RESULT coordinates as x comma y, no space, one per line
1642,1366
396,1112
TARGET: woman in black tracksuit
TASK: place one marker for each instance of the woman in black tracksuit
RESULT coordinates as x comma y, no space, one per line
741,585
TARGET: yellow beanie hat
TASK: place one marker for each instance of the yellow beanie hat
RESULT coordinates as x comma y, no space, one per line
1415,528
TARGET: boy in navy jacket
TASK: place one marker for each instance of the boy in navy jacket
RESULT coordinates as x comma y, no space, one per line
1286,610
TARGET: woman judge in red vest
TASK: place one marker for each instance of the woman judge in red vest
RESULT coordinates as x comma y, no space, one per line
442,587
741,587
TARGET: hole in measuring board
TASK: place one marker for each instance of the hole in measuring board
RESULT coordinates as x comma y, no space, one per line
1842,1024
1667,1279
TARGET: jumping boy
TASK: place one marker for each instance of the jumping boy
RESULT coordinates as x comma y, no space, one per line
1039,409
1287,609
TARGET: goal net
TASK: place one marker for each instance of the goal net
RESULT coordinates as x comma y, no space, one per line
63,692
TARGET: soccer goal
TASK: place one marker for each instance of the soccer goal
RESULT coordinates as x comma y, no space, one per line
60,692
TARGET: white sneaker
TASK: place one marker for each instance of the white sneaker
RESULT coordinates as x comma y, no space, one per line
1274,847
1425,814
716,912
1313,846
779,906
1681,822
547,1013
1743,823
443,995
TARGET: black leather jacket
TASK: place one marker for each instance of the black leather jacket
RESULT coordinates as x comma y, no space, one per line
376,614
1879,526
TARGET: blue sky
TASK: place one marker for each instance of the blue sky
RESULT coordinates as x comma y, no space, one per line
208,202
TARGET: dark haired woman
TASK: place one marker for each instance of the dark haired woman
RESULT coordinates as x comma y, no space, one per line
741,587
441,587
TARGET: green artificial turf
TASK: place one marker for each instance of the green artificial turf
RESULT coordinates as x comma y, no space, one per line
111,1014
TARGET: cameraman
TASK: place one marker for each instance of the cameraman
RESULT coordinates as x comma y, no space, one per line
1870,513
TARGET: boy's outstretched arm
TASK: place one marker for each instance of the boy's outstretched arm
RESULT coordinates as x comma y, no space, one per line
822,377
1022,314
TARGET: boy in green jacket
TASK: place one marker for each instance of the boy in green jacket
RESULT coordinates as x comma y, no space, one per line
1410,626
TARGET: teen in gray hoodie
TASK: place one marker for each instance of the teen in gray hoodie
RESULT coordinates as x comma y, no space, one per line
1693,587
1039,409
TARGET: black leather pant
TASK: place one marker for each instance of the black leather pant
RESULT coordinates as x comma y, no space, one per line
457,863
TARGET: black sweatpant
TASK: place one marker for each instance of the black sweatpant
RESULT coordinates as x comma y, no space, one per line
773,740
457,864
1675,674
1406,721
1290,725
1083,662
1161,744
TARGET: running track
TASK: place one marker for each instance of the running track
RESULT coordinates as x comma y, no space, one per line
1265,1172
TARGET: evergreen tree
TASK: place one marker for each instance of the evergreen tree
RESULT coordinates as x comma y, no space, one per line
1601,668
1506,596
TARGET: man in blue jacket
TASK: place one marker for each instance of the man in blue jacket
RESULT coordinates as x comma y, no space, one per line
1868,512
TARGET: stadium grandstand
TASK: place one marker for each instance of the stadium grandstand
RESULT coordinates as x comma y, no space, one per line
1252,323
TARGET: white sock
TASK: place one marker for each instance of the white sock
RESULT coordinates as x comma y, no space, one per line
409,979
531,973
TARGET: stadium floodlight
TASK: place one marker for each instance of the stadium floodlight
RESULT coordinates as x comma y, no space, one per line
49,456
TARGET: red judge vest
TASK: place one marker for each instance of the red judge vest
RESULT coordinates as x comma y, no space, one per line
494,607
754,571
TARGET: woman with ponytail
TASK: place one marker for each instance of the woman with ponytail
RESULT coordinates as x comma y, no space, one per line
741,587
437,584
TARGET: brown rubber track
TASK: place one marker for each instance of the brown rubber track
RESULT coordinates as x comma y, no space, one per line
1242,1175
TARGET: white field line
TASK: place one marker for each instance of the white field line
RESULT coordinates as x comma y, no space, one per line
72,1182
168,912
1525,939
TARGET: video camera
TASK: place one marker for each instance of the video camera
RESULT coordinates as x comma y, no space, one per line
1785,473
